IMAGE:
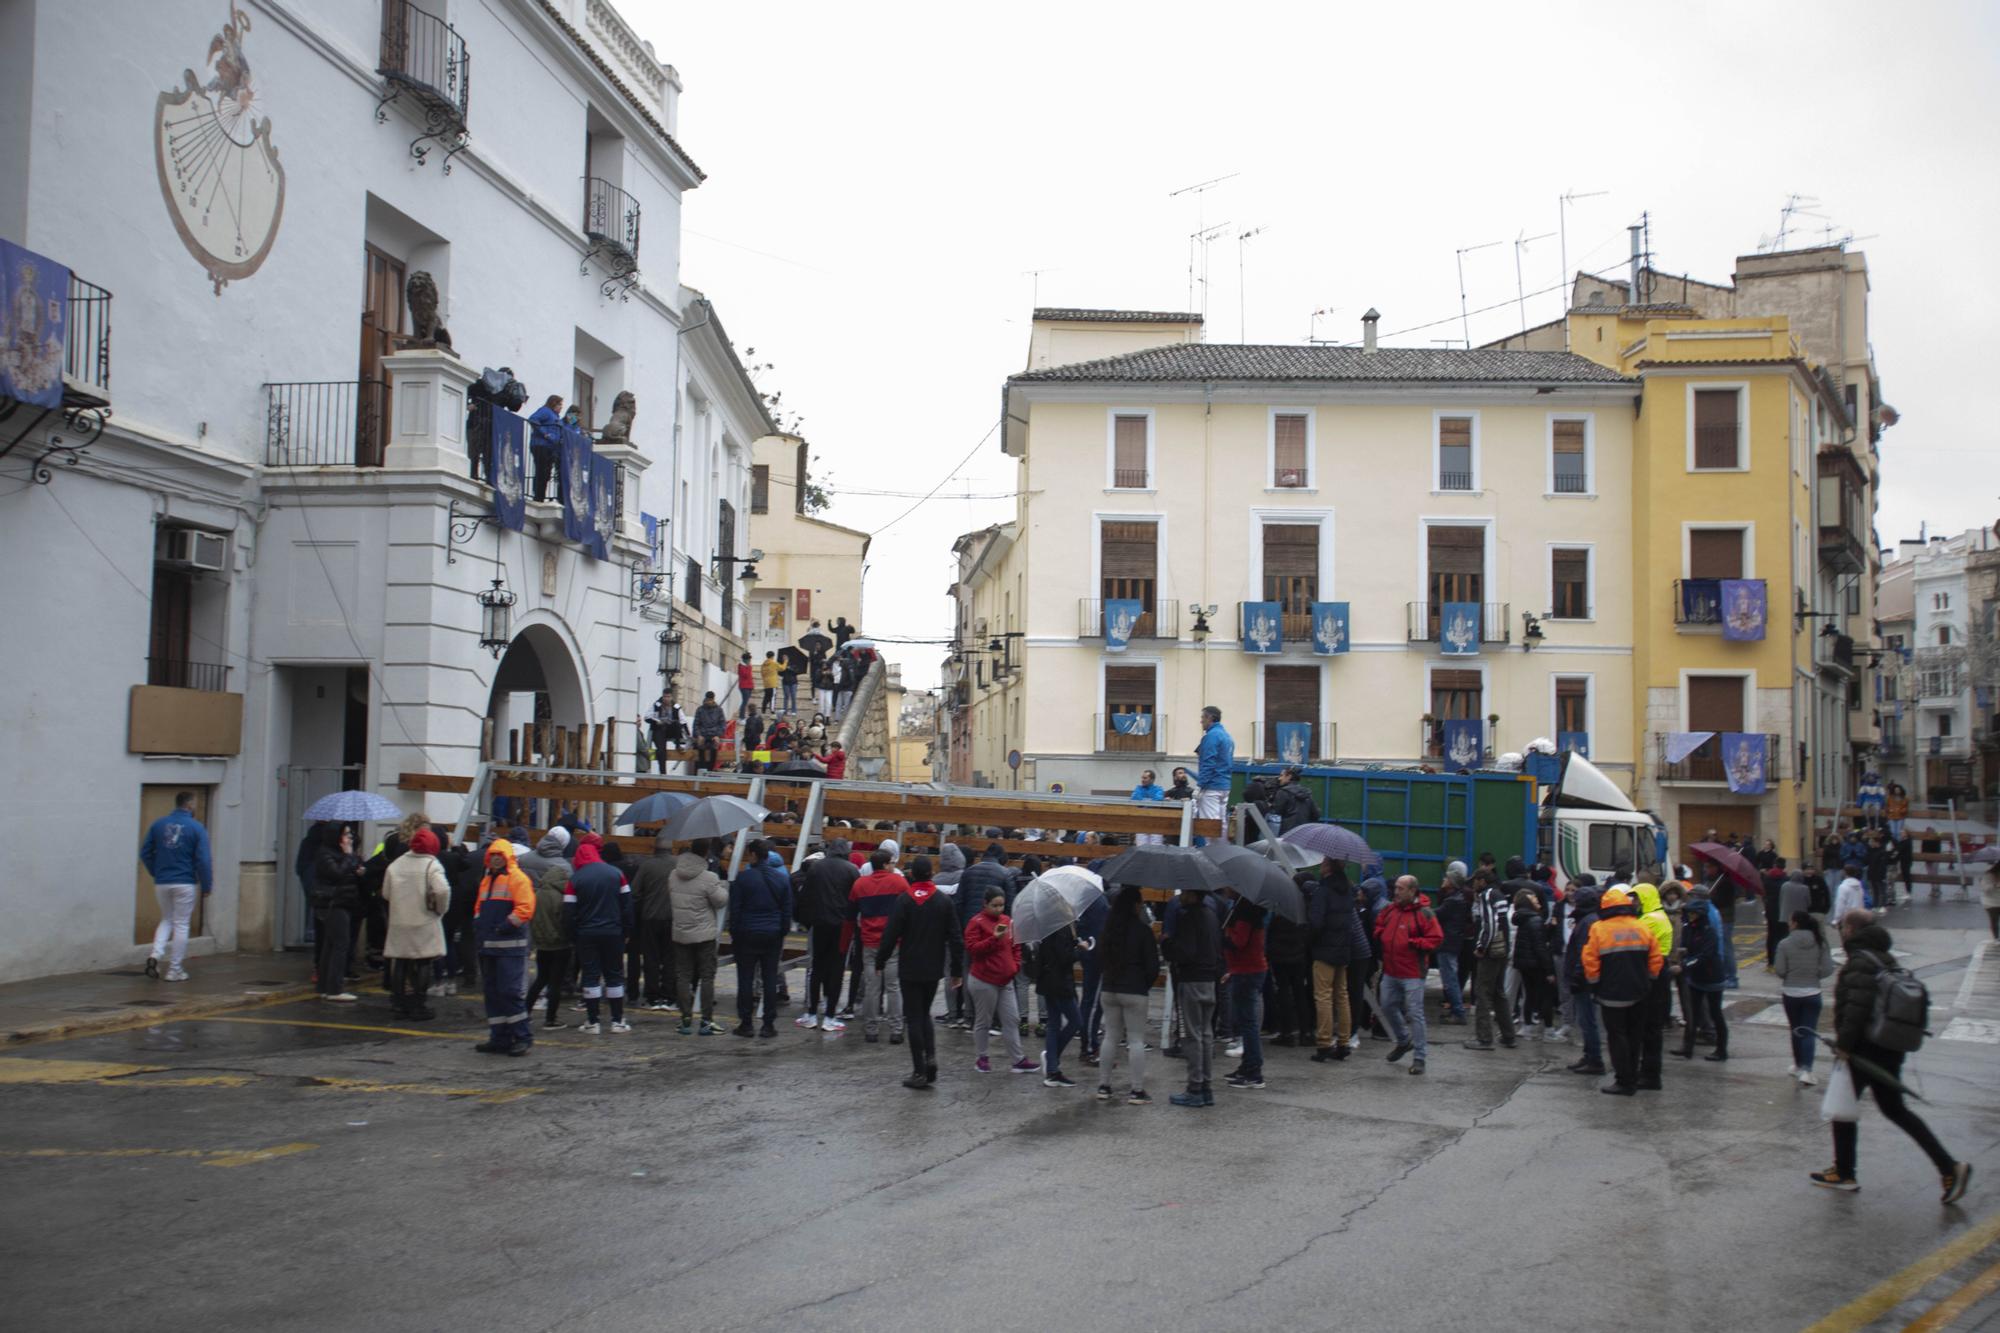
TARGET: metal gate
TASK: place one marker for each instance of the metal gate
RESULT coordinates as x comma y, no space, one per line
299,785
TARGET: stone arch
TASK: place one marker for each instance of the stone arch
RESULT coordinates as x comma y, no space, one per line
543,663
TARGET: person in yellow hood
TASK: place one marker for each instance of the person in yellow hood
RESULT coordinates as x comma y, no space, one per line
1659,996
500,916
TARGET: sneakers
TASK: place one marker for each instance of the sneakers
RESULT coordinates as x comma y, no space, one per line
1402,1049
1138,1098
1956,1180
1794,1071
176,974
916,1083
806,1021
153,968
895,1039
553,1026
741,1030
1806,1079
832,1025
1833,1180
1189,1098
1354,1042
982,1066
1025,1067
1416,1066
686,1028
1234,1050
1059,1080
1245,1081
1559,1033
660,1005
619,1025
1478,1045
709,1029
1103,1093
343,997
590,1029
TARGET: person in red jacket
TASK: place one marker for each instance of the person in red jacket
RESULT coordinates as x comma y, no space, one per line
1243,957
868,905
993,958
836,762
1409,934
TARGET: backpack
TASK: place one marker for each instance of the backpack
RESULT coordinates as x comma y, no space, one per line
1902,1008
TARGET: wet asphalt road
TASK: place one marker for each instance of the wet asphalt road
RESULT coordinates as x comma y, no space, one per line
255,1172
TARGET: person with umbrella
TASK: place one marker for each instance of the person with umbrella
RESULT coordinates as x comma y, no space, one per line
916,946
1055,956
760,909
1874,1067
1131,960
501,913
1246,966
1338,944
337,896
994,959
1409,933
1195,949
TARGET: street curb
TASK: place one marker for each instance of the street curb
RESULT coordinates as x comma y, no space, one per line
168,1011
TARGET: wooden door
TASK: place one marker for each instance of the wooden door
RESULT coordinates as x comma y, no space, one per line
1291,575
381,325
1457,568
157,799
1291,694
1128,557
584,396
169,650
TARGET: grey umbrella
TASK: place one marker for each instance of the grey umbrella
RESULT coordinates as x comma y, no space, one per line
1290,855
1162,867
651,809
1261,881
353,807
714,817
1332,841
1053,901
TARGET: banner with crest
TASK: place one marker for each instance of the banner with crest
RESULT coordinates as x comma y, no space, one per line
508,468
1295,741
1263,628
603,507
1329,621
1121,617
573,470
1458,629
1743,610
1743,761
1464,742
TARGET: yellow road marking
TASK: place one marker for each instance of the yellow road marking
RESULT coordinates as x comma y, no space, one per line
1894,1290
206,1156
158,1018
359,1027
495,1096
18,1071
22,1070
1942,1315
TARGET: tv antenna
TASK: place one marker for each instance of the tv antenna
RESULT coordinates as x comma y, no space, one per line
1312,323
1036,275
1796,205
1522,242
1562,229
1200,241
1241,237
1464,319
1200,191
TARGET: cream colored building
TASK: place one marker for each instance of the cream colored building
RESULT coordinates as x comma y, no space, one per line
1194,478
811,568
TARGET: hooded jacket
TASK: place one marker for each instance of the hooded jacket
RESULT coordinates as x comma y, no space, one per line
951,865
1701,944
709,722
1338,939
1801,962
1294,806
505,905
552,850
545,932
1621,956
598,902
992,958
652,887
924,928
1454,914
869,901
176,851
418,896
1794,895
1195,947
337,879
824,883
1055,965
698,894
1654,917
1583,910
1130,954
1854,993
1532,956
760,902
1491,913
1409,934
988,872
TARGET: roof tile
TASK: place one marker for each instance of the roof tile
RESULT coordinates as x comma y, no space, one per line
1290,362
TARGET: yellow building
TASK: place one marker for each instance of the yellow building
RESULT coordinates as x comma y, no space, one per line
810,569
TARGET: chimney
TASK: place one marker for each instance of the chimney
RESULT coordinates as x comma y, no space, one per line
1638,232
1368,322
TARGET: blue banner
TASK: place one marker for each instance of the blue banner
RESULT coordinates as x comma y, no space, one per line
32,323
1743,761
1263,628
1329,627
1121,617
1458,629
1577,742
1132,724
1743,609
1701,601
573,473
603,507
1464,742
508,469
1295,742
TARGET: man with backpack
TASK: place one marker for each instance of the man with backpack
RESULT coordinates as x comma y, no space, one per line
1879,1011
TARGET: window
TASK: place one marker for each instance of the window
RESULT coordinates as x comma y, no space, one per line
1569,582
1569,463
1714,703
1715,553
1572,703
585,399
1940,601
1291,694
1718,440
1129,694
1291,575
1455,567
1131,452
1455,454
1128,565
1291,451
1612,847
1944,636
725,544
1944,724
1455,695
760,488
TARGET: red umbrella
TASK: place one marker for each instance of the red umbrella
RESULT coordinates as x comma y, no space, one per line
1732,863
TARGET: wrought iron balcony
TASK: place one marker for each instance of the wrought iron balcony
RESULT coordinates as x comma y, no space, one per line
209,677
1160,620
425,60
87,345
611,222
1699,601
1324,747
1141,731
1706,763
325,423
1424,620
1571,483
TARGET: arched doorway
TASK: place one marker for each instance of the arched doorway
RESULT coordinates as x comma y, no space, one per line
537,681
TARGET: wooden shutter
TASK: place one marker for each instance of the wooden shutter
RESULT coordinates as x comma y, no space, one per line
1128,461
1569,437
1715,703
1572,702
1715,553
760,488
1128,689
1455,432
1456,549
1455,694
585,400
1291,574
1288,462
1291,694
1715,428
1570,574
1129,557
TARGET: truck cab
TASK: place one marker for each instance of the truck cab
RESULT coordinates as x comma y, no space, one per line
1586,824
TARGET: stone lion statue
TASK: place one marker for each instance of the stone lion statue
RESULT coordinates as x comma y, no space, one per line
421,291
619,427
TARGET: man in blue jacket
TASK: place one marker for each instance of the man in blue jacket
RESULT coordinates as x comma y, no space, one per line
175,853
545,425
760,911
1215,756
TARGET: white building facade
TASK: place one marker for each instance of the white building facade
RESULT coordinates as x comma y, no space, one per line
249,562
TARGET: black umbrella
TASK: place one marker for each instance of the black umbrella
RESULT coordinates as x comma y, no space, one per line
1260,880
797,768
1162,867
815,643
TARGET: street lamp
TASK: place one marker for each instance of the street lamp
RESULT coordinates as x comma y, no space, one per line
496,618
747,576
671,641
1531,631
1199,630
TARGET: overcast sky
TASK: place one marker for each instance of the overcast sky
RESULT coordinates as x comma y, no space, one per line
881,179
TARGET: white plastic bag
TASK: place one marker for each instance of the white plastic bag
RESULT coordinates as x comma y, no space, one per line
1840,1102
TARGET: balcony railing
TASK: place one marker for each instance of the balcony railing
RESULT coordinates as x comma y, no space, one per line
1143,732
1295,625
1325,744
1454,481
1951,746
1571,483
1163,621
87,345
1705,764
611,217
424,56
1130,478
1424,618
211,677
1718,446
325,423
1699,601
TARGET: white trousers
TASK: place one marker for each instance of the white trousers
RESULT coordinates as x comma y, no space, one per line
176,910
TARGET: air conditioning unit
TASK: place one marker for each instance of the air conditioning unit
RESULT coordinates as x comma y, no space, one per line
192,548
